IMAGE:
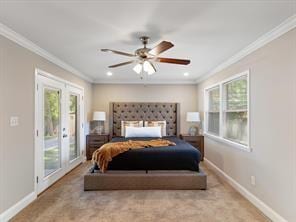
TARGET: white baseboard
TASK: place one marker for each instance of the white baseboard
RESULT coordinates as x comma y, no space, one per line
12,211
266,210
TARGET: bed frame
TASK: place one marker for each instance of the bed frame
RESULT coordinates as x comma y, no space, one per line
170,112
145,180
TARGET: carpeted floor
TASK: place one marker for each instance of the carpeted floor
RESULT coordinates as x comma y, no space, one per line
66,201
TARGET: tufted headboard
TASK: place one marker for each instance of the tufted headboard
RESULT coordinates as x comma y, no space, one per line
145,111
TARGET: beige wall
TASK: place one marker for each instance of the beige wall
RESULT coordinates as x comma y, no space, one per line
273,121
17,67
273,126
183,94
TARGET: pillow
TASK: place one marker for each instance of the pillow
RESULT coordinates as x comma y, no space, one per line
143,131
161,123
134,123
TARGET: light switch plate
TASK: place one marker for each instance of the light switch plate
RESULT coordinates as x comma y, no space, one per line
14,121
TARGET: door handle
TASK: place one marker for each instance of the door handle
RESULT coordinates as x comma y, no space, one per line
65,135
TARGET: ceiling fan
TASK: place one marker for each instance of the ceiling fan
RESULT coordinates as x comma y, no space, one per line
145,56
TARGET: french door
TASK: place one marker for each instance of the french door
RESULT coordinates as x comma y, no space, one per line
59,129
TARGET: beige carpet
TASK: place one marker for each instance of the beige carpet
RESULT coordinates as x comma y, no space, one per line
66,201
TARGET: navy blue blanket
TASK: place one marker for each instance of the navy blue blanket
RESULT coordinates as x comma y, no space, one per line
183,156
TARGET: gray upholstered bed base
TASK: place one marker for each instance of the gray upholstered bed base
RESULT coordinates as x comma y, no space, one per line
145,180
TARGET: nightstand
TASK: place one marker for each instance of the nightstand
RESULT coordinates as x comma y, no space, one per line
94,142
196,141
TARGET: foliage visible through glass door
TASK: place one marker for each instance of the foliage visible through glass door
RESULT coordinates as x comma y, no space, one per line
73,126
52,147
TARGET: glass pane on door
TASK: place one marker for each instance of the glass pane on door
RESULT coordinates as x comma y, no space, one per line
73,126
52,125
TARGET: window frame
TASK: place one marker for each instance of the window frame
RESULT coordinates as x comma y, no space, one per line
207,111
220,137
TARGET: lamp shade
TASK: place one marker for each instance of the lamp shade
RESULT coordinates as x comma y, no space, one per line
138,68
193,117
149,68
99,116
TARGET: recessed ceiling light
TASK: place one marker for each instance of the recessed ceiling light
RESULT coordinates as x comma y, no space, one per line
186,74
109,73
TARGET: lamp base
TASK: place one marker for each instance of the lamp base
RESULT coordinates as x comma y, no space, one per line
193,130
99,128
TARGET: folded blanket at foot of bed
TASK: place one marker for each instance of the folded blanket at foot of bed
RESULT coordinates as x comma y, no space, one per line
105,153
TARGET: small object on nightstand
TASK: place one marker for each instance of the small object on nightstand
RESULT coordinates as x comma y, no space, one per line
193,117
94,142
99,117
196,141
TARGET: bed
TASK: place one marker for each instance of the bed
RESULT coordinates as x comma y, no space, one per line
174,167
183,156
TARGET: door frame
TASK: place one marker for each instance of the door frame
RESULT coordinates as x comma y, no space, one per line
72,164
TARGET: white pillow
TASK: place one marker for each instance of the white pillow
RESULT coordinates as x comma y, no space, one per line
161,123
143,131
134,123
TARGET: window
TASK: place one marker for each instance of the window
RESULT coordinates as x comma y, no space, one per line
227,110
213,111
235,110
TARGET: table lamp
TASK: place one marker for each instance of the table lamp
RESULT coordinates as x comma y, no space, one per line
193,117
100,117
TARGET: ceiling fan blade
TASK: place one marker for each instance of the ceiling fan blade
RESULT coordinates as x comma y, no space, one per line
118,52
121,64
173,61
161,47
154,69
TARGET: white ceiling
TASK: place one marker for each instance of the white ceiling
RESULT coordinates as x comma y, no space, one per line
206,32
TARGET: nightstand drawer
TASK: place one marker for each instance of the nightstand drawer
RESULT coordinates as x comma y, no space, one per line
90,153
96,145
196,141
94,142
193,139
98,139
196,145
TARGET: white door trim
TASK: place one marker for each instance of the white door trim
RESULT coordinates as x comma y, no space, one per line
45,181
39,72
51,76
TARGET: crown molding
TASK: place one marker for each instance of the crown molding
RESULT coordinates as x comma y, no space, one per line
283,28
278,31
22,41
145,82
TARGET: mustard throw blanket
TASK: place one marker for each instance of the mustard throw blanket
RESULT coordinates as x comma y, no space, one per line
105,153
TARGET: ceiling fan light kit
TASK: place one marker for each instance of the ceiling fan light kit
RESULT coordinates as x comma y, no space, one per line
144,56
138,68
149,68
